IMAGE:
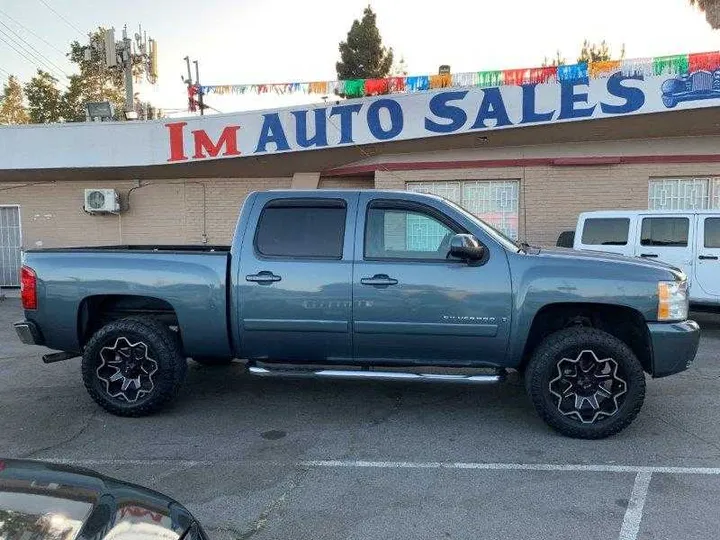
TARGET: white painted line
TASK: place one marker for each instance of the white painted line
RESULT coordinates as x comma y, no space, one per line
634,512
127,462
510,467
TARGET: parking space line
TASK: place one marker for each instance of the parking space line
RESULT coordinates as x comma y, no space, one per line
511,467
633,514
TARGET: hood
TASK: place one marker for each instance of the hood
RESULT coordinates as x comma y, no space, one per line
604,257
47,501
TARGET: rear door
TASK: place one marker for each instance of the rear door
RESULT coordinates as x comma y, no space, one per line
294,278
707,261
666,238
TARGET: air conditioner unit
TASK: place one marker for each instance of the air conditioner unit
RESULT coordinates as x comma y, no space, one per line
99,201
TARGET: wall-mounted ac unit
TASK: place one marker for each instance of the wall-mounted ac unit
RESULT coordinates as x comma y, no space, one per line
102,201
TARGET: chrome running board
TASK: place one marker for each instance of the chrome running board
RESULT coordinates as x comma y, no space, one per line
376,375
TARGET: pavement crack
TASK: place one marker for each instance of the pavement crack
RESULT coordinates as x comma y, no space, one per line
274,506
58,444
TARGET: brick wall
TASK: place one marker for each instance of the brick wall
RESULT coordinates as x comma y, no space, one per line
551,197
163,212
347,182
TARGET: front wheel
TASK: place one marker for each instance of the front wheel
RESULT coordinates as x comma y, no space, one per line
585,383
133,366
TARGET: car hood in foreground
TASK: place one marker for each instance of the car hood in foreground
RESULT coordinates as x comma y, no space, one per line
46,501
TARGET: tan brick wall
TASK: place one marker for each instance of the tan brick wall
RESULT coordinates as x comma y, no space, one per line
556,195
162,212
347,182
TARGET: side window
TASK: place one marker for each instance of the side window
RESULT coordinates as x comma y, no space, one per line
665,232
301,229
712,232
405,233
606,231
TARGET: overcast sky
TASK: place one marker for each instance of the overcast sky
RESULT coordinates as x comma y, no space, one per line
257,41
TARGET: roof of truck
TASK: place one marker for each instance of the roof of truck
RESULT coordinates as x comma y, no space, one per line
633,213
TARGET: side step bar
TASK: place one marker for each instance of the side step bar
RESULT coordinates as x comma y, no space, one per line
377,375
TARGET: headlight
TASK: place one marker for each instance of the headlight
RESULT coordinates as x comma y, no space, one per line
673,301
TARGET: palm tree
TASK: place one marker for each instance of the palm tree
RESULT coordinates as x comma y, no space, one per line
711,9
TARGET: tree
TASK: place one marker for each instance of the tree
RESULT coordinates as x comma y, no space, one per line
95,82
12,106
399,68
362,55
558,60
711,9
43,98
592,52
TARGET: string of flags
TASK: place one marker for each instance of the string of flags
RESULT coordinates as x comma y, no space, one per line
659,65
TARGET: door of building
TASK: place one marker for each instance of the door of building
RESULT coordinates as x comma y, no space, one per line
10,246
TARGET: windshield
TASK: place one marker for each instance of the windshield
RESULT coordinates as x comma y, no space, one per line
503,240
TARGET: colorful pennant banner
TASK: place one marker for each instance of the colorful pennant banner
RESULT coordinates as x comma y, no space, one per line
354,88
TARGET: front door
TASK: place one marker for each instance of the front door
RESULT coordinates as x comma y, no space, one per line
294,279
707,261
413,304
666,238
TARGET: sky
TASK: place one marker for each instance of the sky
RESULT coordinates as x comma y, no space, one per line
264,41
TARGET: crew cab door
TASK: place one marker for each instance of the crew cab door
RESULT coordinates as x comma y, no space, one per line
414,304
294,278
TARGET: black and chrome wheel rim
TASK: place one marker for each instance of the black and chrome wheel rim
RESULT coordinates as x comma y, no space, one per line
587,389
126,370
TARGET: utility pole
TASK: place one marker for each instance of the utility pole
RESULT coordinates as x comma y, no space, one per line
127,61
199,88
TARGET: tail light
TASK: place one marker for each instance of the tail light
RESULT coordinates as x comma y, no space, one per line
28,288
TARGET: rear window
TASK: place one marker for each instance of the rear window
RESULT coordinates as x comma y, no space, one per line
712,233
667,232
301,229
606,231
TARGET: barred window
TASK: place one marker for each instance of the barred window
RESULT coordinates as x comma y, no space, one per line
684,194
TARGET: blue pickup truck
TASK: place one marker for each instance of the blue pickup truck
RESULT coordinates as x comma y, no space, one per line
365,285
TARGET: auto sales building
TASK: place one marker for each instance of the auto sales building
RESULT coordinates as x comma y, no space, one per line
528,158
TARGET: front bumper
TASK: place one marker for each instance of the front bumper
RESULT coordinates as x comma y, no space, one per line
28,332
674,346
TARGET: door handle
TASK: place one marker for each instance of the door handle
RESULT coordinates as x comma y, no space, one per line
263,277
708,258
379,280
649,255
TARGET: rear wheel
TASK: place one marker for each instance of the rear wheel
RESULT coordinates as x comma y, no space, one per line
585,383
133,366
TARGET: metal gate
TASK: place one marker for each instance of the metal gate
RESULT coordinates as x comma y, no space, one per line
10,246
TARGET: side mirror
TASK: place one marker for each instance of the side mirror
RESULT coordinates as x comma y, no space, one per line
466,247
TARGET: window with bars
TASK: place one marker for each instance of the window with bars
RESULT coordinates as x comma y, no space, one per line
684,194
494,201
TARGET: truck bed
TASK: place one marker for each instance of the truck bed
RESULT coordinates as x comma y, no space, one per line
179,248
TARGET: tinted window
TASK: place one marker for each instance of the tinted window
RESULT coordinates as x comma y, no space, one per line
291,229
606,231
712,233
665,232
395,233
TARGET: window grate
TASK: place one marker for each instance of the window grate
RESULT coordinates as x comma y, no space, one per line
10,246
684,194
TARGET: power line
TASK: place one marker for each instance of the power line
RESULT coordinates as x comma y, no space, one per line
38,54
30,31
21,53
71,25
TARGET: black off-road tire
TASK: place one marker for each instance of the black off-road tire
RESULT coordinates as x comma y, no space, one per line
569,343
162,345
213,361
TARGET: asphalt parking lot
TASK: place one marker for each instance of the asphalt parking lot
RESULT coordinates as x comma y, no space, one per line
257,458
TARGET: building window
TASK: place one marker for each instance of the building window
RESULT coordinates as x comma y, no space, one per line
684,194
493,201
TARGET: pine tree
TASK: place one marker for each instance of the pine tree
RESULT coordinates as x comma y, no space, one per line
44,98
362,55
12,106
711,9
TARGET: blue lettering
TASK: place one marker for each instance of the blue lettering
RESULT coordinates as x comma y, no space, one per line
301,128
568,99
634,97
529,114
440,108
492,107
272,132
345,112
396,119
